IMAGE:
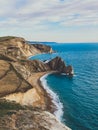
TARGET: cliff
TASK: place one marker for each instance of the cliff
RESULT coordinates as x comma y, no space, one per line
19,78
59,65
14,74
30,120
17,47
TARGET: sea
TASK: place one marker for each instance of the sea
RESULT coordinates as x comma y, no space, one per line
76,98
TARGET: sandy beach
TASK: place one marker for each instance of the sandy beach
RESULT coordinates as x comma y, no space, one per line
37,96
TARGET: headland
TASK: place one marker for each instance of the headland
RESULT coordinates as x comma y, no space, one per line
20,83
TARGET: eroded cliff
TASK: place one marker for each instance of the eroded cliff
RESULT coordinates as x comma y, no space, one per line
14,75
17,47
19,82
31,120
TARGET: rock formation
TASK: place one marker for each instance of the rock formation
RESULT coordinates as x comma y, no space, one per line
18,48
16,77
59,65
31,120
43,48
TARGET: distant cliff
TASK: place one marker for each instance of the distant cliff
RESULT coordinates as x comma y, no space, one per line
16,73
17,47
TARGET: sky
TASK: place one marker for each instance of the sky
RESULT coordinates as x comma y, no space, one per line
50,20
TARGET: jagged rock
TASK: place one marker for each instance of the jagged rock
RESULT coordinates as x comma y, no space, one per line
69,70
59,65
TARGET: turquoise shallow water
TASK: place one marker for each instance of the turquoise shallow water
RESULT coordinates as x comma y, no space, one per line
79,94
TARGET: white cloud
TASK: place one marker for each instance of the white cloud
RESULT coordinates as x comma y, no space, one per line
41,15
51,10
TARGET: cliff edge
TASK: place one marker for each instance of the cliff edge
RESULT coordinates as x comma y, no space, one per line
19,78
18,48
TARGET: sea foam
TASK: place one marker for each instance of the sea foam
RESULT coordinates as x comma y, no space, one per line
55,98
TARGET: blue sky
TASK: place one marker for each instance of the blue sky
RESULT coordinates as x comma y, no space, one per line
50,20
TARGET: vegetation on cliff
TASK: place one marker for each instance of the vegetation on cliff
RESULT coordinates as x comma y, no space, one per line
16,72
18,48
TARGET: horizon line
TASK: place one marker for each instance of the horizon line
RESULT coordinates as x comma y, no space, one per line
61,42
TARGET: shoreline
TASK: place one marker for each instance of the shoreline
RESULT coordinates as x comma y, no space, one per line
22,83
47,105
48,99
43,98
24,98
54,105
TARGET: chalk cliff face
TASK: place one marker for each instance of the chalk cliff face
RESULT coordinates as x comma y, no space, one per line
17,77
18,48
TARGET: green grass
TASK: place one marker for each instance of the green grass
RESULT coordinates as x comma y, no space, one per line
6,38
7,107
10,107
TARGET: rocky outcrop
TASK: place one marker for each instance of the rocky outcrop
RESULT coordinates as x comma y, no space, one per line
19,77
43,48
17,47
14,74
59,65
14,66
30,120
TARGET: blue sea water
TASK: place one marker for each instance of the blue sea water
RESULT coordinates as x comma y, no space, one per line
79,95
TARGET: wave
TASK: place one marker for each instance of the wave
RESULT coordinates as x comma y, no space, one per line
55,98
74,75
